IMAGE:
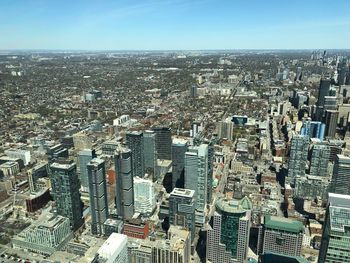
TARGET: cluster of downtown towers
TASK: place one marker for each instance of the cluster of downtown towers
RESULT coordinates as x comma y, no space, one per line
135,158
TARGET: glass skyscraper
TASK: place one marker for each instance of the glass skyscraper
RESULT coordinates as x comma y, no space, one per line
134,141
179,148
335,244
340,183
65,191
84,157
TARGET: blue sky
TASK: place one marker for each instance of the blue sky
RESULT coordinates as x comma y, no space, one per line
174,24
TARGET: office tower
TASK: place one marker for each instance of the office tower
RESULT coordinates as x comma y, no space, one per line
298,157
98,195
282,236
196,177
182,205
320,153
44,236
313,129
325,85
331,121
176,249
65,191
323,90
145,199
335,243
341,175
225,129
134,141
84,157
113,250
124,184
56,152
330,102
149,151
178,150
81,140
211,153
228,238
163,142
193,91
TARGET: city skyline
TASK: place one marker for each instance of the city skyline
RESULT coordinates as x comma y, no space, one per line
173,25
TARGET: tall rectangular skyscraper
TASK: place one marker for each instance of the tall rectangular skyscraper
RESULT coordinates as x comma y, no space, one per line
149,151
65,191
163,143
124,184
196,177
298,157
335,243
134,141
98,195
179,148
331,120
84,157
320,153
340,183
182,205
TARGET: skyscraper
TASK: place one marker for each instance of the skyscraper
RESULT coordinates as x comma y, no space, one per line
211,153
144,193
163,142
282,236
196,177
193,91
331,121
335,243
228,238
65,191
298,157
182,205
134,141
313,129
98,195
149,151
179,148
113,250
84,157
340,183
320,153
124,184
323,90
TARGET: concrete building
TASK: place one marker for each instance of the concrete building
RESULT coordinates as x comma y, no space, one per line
145,199
311,187
65,191
196,177
24,155
134,141
225,129
282,236
228,238
163,142
331,120
84,157
113,250
320,152
124,184
179,148
47,235
149,152
98,195
182,205
335,243
298,157
341,175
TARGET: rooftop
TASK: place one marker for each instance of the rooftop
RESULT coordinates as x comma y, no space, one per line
283,224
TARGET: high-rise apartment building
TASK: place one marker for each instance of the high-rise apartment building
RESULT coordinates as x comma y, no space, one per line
65,191
84,157
145,199
320,153
196,177
182,205
340,183
134,141
313,129
228,238
335,243
331,120
98,195
124,184
298,157
163,142
179,148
